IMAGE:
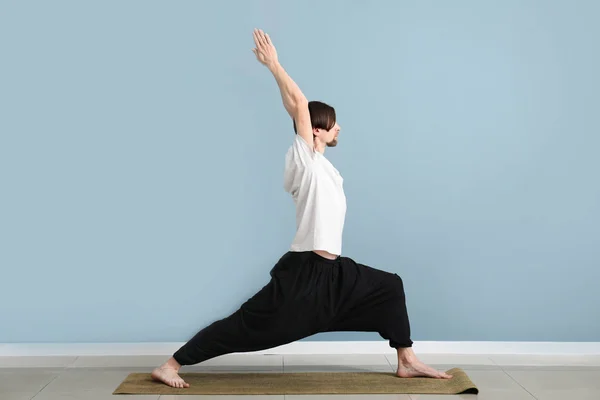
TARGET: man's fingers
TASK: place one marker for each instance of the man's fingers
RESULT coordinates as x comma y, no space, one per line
256,39
261,36
261,39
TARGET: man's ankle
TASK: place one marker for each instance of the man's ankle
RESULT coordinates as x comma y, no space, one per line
406,354
172,363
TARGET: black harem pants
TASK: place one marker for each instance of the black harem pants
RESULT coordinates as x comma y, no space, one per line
307,294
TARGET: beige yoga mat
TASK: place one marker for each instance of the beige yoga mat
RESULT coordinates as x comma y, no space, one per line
299,383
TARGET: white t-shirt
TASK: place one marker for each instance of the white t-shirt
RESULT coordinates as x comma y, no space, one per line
317,189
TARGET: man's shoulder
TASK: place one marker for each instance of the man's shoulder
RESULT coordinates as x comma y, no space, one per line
300,153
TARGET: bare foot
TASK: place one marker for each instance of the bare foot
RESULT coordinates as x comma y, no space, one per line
409,366
413,369
168,373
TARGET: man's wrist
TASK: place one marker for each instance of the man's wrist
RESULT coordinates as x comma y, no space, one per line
274,66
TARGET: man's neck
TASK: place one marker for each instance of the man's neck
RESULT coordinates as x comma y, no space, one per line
319,146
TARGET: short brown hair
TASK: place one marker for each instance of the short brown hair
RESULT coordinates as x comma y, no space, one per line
322,116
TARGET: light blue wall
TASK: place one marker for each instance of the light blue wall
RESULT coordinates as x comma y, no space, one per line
142,146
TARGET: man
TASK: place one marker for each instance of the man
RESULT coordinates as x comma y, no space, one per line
312,288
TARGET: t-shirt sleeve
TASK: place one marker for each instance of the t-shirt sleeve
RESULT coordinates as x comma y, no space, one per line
302,152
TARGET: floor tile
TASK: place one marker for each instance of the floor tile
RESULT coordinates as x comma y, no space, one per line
540,360
549,368
36,362
26,379
488,394
571,394
544,381
94,394
87,384
118,361
16,395
83,379
492,380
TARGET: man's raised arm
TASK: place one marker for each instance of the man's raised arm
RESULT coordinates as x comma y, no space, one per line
294,100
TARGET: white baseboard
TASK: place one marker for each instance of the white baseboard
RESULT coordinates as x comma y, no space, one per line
310,347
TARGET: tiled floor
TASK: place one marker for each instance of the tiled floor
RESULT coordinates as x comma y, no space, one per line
499,377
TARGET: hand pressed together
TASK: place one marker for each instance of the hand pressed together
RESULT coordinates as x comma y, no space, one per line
264,51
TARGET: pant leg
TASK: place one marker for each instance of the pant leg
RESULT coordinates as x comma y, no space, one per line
377,304
278,314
